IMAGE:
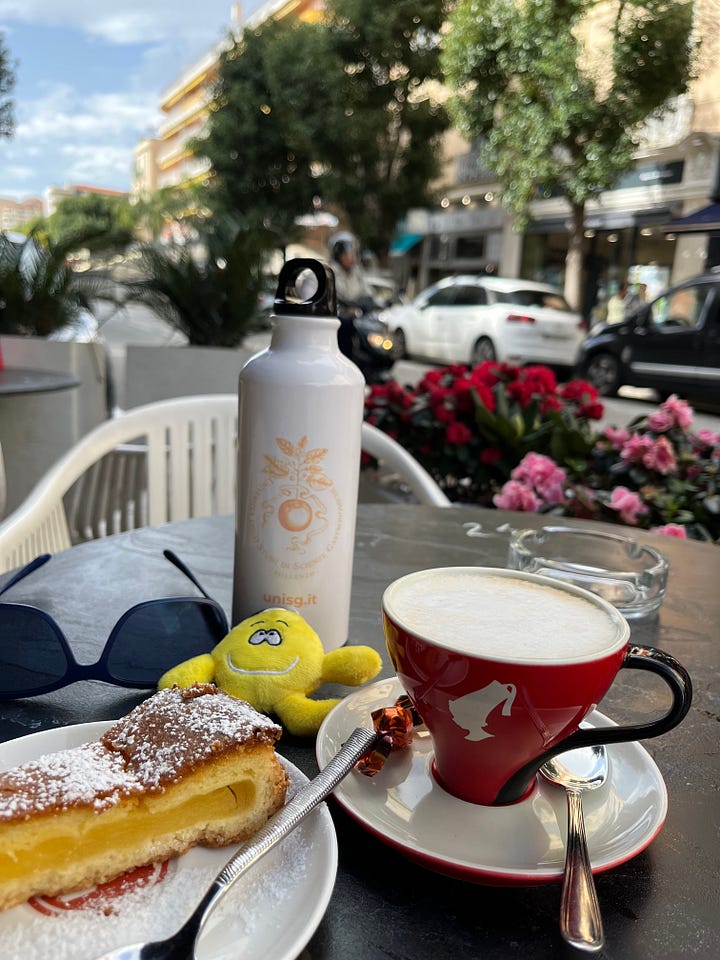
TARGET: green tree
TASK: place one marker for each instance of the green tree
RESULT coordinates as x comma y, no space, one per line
258,172
39,292
343,110
153,213
208,290
559,109
106,222
382,150
7,84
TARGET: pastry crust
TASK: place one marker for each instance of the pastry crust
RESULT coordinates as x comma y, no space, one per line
186,767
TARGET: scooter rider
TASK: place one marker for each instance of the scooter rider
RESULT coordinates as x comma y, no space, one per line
350,283
351,287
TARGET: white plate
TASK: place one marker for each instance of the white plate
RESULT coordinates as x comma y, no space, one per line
271,913
519,844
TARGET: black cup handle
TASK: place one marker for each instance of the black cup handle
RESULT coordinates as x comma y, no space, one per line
636,658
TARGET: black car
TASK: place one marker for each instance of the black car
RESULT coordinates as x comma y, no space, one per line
671,344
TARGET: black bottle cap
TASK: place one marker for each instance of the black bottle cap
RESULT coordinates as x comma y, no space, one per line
289,297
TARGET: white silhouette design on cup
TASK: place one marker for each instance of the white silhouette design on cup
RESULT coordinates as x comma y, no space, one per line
471,711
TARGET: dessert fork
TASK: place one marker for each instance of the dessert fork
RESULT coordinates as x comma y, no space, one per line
181,944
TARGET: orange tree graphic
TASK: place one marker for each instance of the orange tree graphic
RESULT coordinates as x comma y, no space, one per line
301,476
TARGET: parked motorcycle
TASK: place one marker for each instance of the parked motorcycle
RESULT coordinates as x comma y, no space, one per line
365,339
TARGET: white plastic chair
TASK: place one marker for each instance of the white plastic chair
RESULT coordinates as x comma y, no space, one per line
164,461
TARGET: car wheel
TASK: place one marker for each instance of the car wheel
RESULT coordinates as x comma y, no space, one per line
400,350
603,370
482,351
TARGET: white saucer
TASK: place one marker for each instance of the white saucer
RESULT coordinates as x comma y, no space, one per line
519,844
271,913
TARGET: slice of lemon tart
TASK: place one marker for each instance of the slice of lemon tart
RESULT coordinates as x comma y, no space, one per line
186,767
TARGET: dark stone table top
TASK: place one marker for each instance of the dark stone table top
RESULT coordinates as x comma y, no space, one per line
663,904
15,380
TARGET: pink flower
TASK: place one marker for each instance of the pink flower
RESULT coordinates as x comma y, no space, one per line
680,411
543,475
516,496
635,448
617,436
708,437
660,457
661,420
671,530
628,504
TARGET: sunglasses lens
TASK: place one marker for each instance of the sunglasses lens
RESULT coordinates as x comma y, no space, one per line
156,636
32,656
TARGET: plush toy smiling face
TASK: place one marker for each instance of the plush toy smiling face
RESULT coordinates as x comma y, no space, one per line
267,657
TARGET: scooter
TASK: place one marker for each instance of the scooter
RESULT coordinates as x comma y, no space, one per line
365,339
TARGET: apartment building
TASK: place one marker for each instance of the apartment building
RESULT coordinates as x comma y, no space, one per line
53,195
16,213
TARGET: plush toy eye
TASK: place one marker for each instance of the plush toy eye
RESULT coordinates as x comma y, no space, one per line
266,636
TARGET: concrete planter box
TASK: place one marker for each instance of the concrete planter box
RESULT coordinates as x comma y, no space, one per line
160,372
37,428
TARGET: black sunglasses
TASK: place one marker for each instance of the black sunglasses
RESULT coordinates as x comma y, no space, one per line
147,640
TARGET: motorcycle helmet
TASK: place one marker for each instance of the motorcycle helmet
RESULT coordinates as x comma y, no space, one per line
341,243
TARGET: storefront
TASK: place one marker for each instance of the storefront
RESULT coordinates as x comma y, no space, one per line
627,235
615,247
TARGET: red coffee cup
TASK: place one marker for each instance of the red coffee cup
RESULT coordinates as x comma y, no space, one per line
503,666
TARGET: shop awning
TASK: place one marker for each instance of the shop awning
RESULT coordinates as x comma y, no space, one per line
705,220
404,242
605,220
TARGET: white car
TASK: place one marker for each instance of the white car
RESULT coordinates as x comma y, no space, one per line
468,319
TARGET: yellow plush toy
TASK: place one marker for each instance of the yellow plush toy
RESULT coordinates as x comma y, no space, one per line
274,660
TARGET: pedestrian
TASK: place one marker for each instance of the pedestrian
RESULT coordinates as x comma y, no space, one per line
616,306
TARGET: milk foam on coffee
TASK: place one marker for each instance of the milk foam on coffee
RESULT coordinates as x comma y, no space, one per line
504,617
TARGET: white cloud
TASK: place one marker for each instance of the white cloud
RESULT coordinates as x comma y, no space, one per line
129,21
67,133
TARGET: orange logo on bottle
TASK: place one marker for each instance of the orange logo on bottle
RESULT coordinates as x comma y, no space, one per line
296,506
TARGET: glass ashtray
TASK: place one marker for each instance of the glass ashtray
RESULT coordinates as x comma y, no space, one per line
630,575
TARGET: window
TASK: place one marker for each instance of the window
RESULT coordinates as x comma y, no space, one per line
533,298
680,308
441,297
469,295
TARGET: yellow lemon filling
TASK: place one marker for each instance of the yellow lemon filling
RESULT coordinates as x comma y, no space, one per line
77,836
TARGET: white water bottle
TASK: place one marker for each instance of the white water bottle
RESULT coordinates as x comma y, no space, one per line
299,437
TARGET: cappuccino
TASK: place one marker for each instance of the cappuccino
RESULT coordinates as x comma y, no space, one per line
483,612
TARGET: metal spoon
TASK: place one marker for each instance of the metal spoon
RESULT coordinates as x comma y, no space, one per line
580,920
181,945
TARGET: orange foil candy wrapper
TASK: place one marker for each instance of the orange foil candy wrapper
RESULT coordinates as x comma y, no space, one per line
395,726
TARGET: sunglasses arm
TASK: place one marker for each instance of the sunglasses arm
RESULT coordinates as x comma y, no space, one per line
28,569
183,568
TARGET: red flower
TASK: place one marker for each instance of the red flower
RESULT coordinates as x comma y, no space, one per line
579,390
457,433
550,403
462,395
591,411
485,396
521,392
490,455
488,373
542,379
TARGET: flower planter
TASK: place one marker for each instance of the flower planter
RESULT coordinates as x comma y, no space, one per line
160,372
36,428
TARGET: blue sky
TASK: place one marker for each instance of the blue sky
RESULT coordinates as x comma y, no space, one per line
88,81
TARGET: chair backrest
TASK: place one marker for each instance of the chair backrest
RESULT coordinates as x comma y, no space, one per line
164,461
